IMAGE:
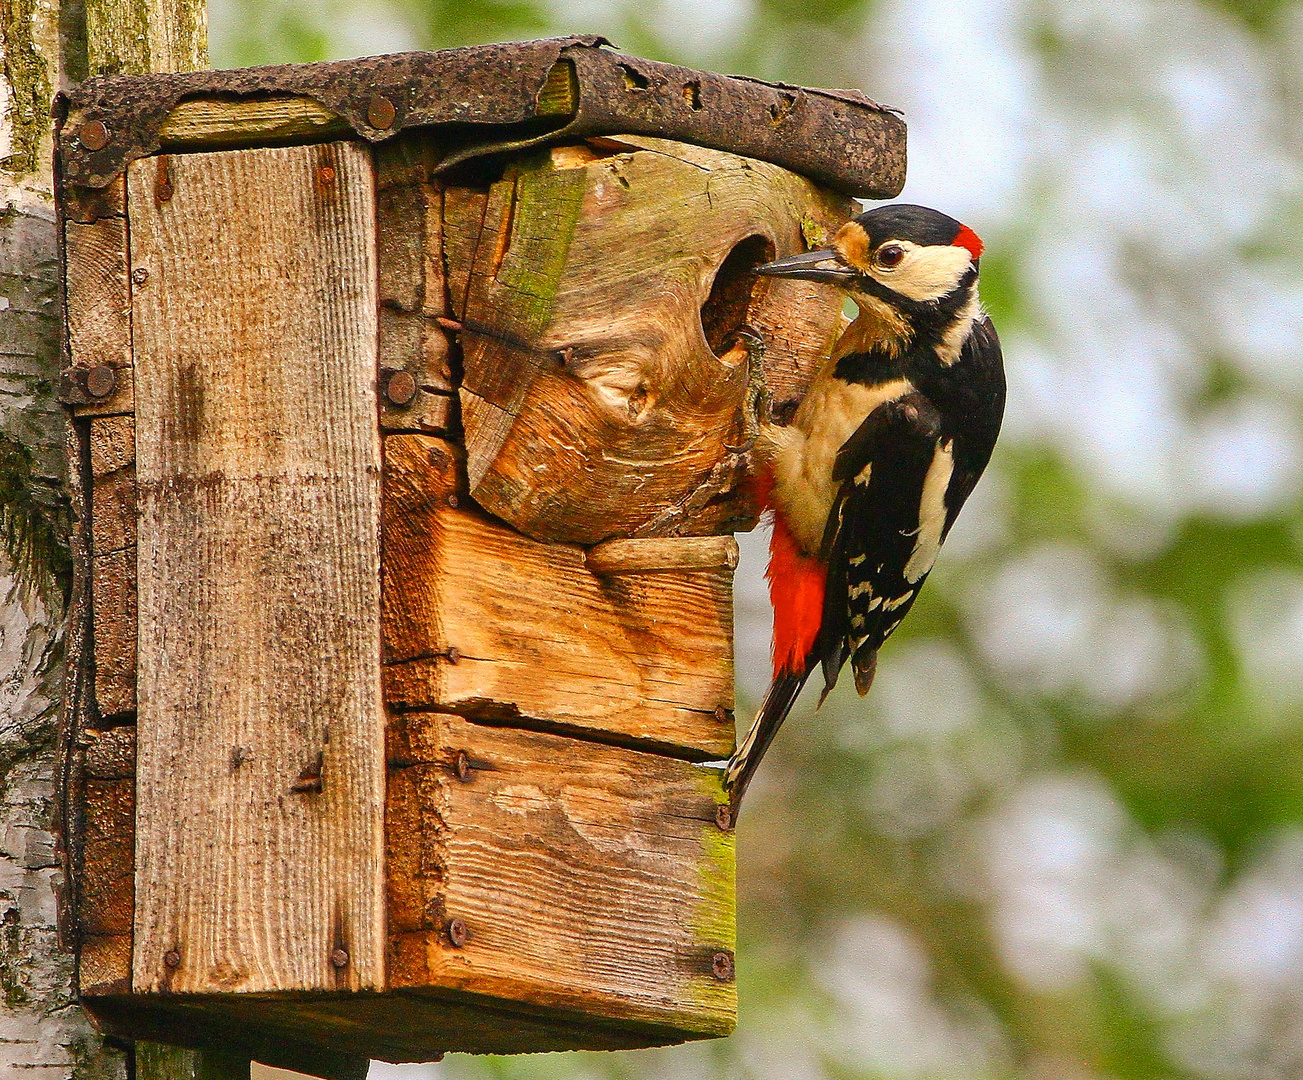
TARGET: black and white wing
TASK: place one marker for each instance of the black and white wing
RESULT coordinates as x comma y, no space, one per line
884,531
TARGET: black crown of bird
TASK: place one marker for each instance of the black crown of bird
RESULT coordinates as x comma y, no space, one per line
888,442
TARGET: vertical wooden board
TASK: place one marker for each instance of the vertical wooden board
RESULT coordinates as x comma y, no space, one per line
260,783
581,877
99,307
106,886
498,627
113,561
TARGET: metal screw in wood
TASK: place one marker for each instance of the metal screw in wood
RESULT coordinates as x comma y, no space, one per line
339,958
101,381
457,932
721,966
93,135
380,113
401,388
139,275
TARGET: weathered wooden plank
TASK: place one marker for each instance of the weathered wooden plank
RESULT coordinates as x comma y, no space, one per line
99,309
604,391
541,870
258,472
416,375
463,220
106,887
113,561
493,625
88,205
214,123
635,556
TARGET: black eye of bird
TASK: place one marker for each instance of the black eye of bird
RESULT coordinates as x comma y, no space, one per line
889,255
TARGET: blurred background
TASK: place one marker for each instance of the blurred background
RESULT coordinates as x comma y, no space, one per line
1063,837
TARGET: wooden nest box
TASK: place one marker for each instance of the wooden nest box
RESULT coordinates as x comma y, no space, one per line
409,404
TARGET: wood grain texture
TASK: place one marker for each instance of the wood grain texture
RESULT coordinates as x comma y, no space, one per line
638,556
258,475
113,562
563,874
215,123
602,393
409,232
539,639
99,306
106,887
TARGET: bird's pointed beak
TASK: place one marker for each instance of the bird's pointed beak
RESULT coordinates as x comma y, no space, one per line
822,265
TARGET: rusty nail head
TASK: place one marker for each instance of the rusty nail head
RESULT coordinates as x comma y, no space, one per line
339,958
401,388
93,135
446,371
721,713
457,932
462,766
101,381
172,959
164,191
721,966
380,113
454,654
325,176
724,816
453,501
139,275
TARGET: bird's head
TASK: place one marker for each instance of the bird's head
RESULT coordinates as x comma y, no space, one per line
903,254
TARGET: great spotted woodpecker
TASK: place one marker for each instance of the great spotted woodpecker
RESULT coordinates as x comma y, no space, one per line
888,442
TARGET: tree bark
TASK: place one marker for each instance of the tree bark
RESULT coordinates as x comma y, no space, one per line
44,46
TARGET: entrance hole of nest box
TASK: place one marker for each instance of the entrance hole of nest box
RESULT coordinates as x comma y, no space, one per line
735,289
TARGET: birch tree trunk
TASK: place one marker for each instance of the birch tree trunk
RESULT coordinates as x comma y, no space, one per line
46,44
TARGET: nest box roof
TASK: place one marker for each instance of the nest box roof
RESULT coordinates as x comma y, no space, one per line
500,97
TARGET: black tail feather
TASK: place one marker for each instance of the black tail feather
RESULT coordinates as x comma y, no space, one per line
778,702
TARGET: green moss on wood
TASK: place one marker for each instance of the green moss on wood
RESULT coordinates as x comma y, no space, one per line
544,215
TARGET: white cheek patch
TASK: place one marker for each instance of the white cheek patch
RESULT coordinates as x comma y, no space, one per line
931,513
925,273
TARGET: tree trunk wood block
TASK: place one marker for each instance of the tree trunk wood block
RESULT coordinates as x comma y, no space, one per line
485,622
611,858
602,388
412,463
258,464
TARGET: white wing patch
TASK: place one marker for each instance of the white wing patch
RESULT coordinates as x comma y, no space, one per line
931,513
865,475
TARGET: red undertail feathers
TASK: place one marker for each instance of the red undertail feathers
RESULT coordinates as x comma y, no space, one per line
796,586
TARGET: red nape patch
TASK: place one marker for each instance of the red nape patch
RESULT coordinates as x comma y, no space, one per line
966,238
796,585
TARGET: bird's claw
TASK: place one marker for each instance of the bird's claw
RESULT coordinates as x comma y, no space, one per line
757,402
